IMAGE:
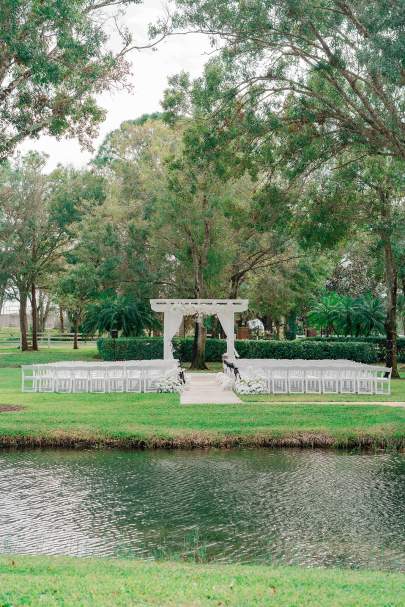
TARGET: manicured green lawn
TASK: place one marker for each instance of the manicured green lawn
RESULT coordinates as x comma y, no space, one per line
13,357
68,582
160,420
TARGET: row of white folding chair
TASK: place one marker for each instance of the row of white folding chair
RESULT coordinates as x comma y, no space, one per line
99,379
285,380
317,380
102,363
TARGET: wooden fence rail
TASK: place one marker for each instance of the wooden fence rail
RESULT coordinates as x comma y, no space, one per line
47,338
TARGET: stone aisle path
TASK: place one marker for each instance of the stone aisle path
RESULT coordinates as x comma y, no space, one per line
204,388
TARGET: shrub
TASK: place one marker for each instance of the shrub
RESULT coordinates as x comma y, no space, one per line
378,340
149,348
130,348
138,348
307,350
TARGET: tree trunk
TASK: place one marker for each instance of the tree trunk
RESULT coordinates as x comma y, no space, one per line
61,320
217,331
234,287
75,334
200,336
291,332
403,311
270,325
2,296
34,316
391,280
44,308
23,321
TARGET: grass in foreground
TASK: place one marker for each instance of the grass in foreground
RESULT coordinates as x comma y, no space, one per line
55,581
155,420
50,581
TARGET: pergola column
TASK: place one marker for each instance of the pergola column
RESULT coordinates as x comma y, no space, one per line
227,320
171,323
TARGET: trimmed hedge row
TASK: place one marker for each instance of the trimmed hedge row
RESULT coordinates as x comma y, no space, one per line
378,340
130,348
149,348
142,348
360,352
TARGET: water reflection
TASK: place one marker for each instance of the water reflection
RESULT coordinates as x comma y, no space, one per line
296,507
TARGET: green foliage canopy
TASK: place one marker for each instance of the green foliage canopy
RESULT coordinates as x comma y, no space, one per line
335,69
54,58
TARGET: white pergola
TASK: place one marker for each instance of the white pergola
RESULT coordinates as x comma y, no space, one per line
175,309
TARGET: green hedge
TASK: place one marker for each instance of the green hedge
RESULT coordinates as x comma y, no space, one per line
359,352
377,340
138,348
149,348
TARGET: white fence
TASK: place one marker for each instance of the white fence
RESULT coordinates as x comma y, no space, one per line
47,339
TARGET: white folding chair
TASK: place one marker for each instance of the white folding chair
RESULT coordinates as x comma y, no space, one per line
152,378
115,379
80,379
45,379
296,381
133,379
348,381
330,381
382,380
313,380
28,378
97,379
365,381
279,380
63,379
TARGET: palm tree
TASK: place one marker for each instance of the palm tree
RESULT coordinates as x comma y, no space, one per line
326,314
347,320
370,316
122,313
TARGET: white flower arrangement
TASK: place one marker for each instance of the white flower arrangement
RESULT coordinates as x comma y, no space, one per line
225,381
251,386
170,384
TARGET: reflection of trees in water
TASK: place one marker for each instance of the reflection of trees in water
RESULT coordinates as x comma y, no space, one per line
310,507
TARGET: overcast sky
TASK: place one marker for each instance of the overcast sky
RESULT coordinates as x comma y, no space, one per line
150,72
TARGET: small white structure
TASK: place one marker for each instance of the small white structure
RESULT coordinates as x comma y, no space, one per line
175,309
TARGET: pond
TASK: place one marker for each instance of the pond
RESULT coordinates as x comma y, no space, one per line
302,507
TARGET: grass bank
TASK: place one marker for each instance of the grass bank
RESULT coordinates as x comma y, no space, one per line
158,420
54,581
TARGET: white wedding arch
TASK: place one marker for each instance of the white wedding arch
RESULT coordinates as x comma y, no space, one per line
174,310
